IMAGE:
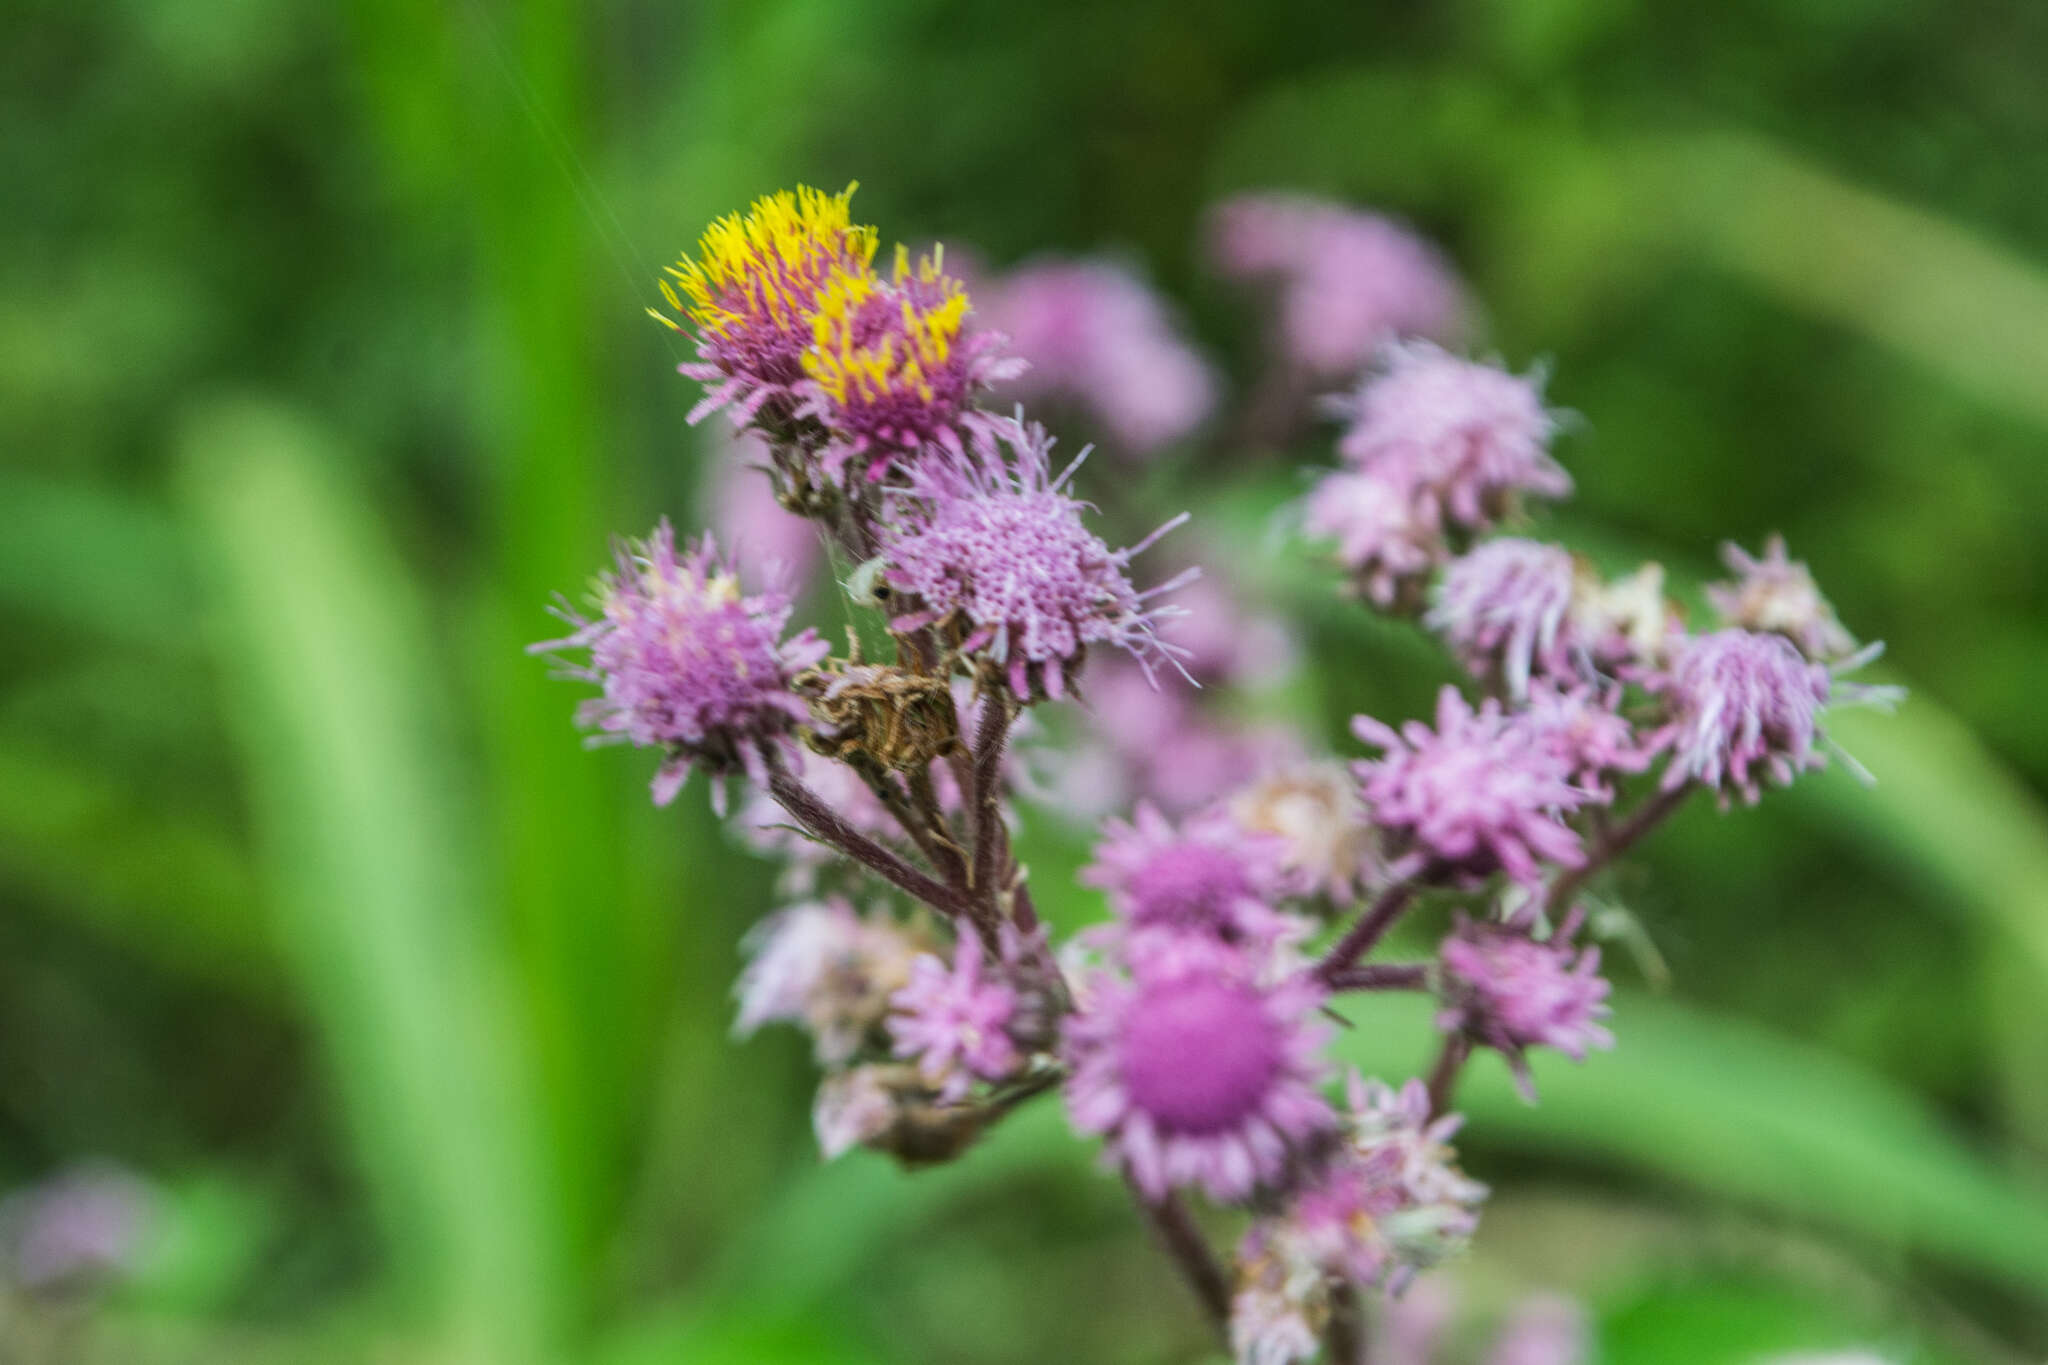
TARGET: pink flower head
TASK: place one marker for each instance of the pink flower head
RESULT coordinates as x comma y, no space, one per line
1097,336
1469,439
1383,538
1346,282
1503,608
954,1021
1195,1072
1584,726
894,369
1002,554
823,967
752,290
1407,1152
689,663
1485,790
1209,877
1775,593
1747,706
1505,988
1315,812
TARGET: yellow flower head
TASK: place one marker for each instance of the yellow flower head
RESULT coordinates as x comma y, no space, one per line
871,343
756,275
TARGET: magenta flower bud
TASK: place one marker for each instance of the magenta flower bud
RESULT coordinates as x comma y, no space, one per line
1584,726
954,1021
1777,594
1484,791
1506,989
1747,707
1098,337
1394,1138
1504,609
1470,439
1383,538
1195,1073
689,663
1209,877
1346,283
1001,555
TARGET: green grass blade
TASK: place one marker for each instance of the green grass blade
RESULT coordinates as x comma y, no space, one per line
331,692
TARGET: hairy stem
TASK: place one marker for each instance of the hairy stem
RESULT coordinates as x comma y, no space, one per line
1613,842
1191,1255
991,840
1402,976
1443,1076
825,824
1344,1338
1372,926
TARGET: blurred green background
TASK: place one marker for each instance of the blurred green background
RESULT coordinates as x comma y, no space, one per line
323,363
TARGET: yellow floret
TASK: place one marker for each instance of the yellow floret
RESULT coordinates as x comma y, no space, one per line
901,361
774,254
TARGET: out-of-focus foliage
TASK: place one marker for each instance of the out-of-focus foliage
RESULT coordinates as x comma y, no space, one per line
324,363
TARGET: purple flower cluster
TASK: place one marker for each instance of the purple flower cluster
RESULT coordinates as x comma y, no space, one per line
1250,892
1345,283
1512,991
1437,447
1486,791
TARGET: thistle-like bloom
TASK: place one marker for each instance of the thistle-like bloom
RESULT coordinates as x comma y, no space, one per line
1510,991
1209,877
894,368
954,1021
826,968
1584,726
1484,791
1503,609
753,289
1347,283
1747,706
1391,1133
1468,439
1097,336
1384,538
1777,594
1195,1073
689,663
1001,555
1315,812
